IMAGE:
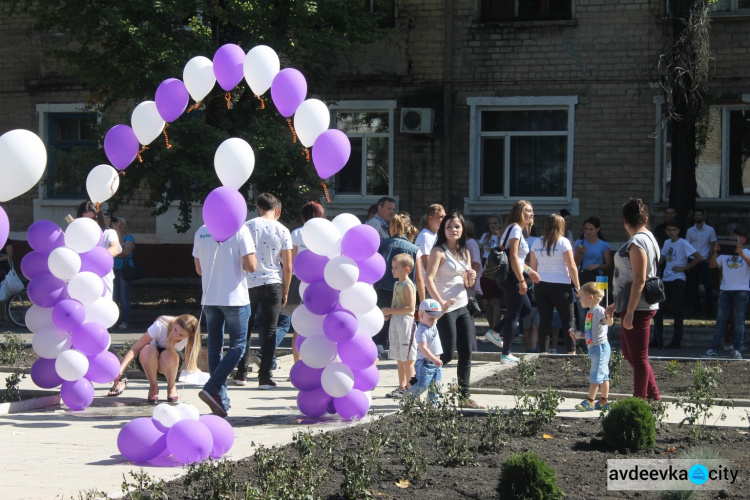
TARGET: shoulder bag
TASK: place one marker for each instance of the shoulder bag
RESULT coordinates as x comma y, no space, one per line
653,289
132,270
498,263
11,285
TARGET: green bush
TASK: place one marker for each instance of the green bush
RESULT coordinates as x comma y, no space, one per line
630,424
525,476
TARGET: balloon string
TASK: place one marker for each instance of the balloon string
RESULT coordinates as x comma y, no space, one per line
194,107
166,137
112,186
306,152
291,127
144,148
325,191
228,97
262,101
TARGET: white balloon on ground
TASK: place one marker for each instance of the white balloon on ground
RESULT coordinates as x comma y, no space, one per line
64,263
359,299
23,159
83,234
311,119
337,380
71,365
260,67
341,272
345,222
166,414
306,323
188,412
146,122
322,237
38,317
86,287
370,322
103,311
198,77
102,183
50,341
234,162
318,351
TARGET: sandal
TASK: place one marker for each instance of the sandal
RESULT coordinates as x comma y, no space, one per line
153,400
114,391
172,399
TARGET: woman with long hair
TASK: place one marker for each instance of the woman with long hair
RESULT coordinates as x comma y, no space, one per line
552,258
157,352
448,274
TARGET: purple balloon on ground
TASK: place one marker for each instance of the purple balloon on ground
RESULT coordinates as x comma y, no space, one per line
330,152
78,394
4,227
190,441
34,264
221,431
308,266
298,342
163,428
353,405
288,91
330,407
340,325
171,99
98,260
103,368
121,146
304,377
359,353
139,440
319,298
91,339
224,212
46,290
44,375
229,61
372,269
44,236
313,403
68,314
360,242
367,379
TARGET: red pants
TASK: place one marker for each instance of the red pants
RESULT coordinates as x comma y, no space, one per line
635,350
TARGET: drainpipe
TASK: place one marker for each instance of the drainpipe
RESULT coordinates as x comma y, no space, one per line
447,109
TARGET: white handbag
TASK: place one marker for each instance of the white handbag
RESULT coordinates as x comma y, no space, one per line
11,285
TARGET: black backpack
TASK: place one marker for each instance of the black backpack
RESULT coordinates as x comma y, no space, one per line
497,266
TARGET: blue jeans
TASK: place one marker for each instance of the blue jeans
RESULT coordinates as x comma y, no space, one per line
727,300
121,295
427,373
599,355
234,319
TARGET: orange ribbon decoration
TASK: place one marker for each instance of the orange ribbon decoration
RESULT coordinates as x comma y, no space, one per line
166,137
228,97
194,107
291,127
140,160
262,101
306,152
325,191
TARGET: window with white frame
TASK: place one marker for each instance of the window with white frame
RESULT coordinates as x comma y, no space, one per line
369,127
66,131
522,147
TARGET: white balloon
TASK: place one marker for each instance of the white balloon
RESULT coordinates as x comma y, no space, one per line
302,287
146,122
71,365
310,120
50,341
337,380
102,183
38,317
83,234
322,237
23,159
198,77
188,412
371,322
359,299
64,263
369,397
102,311
345,222
306,323
261,65
341,272
166,414
318,351
234,162
86,287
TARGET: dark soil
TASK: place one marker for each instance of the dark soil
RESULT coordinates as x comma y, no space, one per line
672,377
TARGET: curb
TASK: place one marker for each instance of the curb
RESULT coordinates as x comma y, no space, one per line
30,404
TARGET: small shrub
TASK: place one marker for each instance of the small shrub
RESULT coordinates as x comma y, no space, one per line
629,424
673,368
615,368
697,402
525,476
526,373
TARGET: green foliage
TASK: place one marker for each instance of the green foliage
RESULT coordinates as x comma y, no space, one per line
358,466
144,487
526,372
525,476
629,424
12,350
615,368
532,412
673,367
210,479
697,401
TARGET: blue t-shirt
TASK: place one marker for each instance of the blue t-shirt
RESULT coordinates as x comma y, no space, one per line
120,261
430,335
594,252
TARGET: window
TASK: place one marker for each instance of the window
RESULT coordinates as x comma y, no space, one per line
66,131
521,148
526,10
719,7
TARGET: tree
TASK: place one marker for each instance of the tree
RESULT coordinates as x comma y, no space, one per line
121,51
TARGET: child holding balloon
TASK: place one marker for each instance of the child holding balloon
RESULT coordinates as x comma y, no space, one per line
157,352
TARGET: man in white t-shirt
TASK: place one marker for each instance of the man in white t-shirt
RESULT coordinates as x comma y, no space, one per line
226,304
268,285
702,237
426,239
381,221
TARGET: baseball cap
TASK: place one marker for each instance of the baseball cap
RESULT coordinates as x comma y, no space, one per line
431,307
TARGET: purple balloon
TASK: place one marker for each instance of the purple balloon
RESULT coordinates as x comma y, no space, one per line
46,290
91,338
78,394
360,242
44,236
319,298
121,146
140,441
229,62
68,314
4,227
305,378
103,368
340,325
34,264
330,408
98,260
224,212
44,375
171,99
221,431
298,342
359,353
313,403
190,441
353,405
308,266
372,269
367,379
330,152
288,91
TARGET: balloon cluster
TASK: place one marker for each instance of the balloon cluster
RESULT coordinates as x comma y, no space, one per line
178,431
338,318
70,314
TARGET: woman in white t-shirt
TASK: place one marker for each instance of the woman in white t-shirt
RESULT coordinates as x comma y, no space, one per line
552,257
110,240
157,352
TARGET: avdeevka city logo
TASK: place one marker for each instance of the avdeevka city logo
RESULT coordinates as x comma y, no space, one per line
698,474
670,474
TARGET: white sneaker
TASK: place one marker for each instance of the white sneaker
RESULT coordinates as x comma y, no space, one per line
518,339
736,354
711,354
494,338
508,359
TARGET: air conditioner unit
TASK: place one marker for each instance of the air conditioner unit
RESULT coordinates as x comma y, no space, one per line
416,120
